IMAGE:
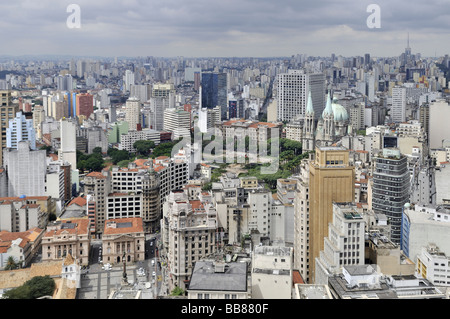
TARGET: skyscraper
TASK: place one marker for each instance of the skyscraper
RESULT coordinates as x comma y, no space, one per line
68,150
292,94
391,188
20,129
214,92
7,112
331,179
84,104
132,113
26,170
398,109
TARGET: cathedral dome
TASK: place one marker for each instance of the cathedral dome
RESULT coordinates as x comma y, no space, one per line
340,113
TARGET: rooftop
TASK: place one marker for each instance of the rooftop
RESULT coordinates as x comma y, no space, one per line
225,277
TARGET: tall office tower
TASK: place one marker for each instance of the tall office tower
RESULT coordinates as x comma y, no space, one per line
331,179
128,80
292,94
84,104
133,113
214,92
197,80
81,68
26,170
68,150
398,108
142,92
72,68
178,122
439,130
163,90
344,245
232,109
20,129
367,59
7,113
370,82
157,107
390,190
64,82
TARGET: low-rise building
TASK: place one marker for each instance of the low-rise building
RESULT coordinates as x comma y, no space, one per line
272,268
66,237
219,280
123,238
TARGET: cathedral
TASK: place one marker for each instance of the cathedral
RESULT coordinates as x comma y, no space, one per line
332,125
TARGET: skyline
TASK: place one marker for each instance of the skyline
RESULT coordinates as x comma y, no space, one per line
200,28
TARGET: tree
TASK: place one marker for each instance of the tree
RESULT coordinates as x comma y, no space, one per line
97,150
177,291
143,147
11,263
118,155
32,289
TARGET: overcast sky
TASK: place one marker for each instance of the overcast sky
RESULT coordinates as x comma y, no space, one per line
200,28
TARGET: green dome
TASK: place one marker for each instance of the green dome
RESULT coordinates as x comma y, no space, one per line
340,113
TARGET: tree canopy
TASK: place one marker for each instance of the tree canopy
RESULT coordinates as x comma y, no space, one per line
144,147
32,289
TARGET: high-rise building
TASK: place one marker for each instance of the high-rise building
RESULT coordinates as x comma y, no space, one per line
177,121
439,113
97,185
331,179
128,80
292,94
390,190
84,104
8,111
20,129
68,150
344,244
398,109
214,91
132,113
26,170
188,232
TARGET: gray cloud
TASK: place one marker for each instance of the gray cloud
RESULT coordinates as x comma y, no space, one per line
223,28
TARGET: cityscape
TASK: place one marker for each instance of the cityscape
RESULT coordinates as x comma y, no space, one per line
171,173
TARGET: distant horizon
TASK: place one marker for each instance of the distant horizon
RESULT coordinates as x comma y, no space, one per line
232,28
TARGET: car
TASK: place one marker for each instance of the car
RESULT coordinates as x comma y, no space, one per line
151,243
154,274
153,262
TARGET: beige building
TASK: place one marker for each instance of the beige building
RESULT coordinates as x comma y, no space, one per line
123,238
98,186
132,113
67,237
7,112
331,180
388,256
272,272
188,234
